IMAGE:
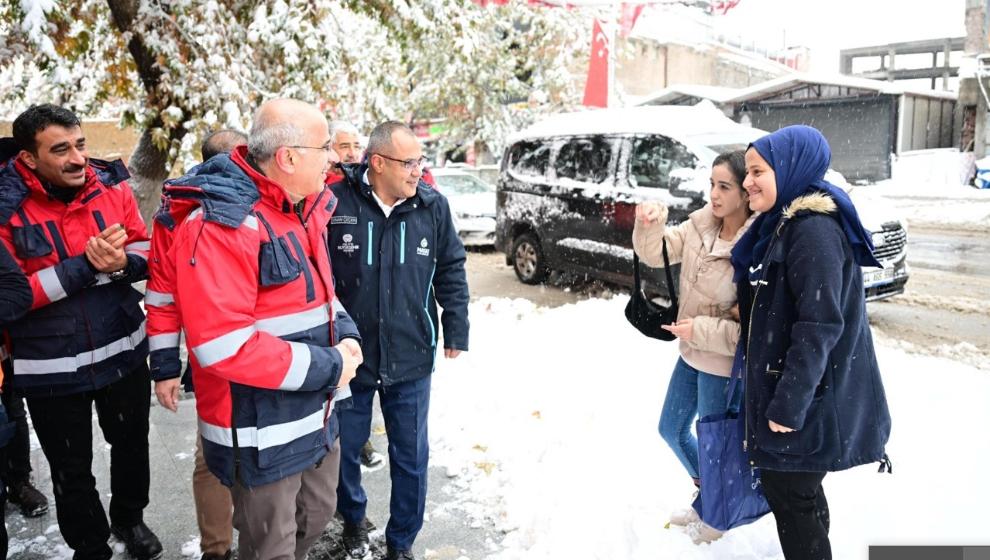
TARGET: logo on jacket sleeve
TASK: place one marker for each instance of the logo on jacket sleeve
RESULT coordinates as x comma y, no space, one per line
423,249
348,246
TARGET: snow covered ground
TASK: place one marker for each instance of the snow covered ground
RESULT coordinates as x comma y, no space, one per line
927,189
547,430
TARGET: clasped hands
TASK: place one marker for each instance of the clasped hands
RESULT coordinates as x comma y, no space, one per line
106,250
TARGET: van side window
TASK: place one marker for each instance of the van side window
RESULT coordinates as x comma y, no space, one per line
584,159
530,158
654,157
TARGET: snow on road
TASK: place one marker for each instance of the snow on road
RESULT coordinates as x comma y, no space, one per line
547,429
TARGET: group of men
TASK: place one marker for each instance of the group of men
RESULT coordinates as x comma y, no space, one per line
302,288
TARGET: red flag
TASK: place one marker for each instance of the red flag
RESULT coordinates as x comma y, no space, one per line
630,13
723,6
596,88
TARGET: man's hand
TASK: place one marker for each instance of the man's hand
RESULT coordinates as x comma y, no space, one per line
775,427
649,212
683,329
451,353
352,359
355,348
106,251
115,235
167,392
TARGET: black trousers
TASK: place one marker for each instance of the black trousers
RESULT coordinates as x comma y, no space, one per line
64,427
798,503
15,458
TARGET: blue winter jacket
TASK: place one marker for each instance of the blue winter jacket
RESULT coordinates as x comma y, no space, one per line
810,362
390,274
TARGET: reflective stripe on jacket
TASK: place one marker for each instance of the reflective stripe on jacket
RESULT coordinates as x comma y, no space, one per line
255,295
84,331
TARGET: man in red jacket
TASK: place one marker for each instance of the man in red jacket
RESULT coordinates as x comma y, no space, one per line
268,341
214,509
73,226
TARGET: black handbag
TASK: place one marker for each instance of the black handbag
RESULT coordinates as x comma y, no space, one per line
647,316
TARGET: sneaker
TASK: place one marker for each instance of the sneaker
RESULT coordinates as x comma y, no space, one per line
355,539
393,554
701,532
684,517
369,457
141,543
229,555
31,501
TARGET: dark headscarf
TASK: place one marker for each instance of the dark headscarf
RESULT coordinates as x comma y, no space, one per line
799,156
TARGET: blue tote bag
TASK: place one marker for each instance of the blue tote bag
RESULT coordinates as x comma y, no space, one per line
731,494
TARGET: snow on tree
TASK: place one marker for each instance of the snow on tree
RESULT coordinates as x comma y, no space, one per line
176,69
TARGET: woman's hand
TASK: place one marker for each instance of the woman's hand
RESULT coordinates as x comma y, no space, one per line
682,329
775,427
734,313
649,212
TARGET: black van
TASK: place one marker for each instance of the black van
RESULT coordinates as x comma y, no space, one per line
568,188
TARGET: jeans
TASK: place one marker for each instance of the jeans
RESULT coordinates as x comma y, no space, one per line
405,407
798,503
692,393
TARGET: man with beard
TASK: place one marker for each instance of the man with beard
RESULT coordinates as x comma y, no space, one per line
73,226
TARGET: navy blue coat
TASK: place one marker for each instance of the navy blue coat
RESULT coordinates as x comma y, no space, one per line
15,292
810,362
390,274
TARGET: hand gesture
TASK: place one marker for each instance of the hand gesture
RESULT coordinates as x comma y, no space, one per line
683,329
106,251
649,212
350,352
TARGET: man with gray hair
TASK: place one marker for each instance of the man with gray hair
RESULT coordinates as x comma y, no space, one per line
214,508
268,341
346,141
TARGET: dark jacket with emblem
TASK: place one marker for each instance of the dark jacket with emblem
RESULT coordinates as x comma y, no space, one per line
810,361
85,330
392,272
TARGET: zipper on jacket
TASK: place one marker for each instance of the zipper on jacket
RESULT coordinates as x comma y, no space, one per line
749,332
429,319
233,433
371,227
402,242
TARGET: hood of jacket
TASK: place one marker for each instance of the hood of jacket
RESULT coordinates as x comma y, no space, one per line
219,185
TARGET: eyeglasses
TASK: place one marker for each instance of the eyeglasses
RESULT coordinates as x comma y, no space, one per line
408,164
326,147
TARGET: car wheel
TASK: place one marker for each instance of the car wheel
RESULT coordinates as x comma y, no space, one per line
527,259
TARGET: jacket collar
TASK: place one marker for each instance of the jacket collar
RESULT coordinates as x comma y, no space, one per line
224,191
816,202
18,182
708,226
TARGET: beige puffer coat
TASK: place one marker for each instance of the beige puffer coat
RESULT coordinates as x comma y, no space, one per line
705,289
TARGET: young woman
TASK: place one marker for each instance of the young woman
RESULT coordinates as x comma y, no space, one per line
814,399
707,320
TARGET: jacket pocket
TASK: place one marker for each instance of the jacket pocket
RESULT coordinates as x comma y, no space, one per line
41,338
30,241
807,441
275,263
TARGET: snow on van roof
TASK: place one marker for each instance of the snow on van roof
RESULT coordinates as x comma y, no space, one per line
679,121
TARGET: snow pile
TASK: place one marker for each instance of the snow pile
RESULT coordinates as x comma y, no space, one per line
547,429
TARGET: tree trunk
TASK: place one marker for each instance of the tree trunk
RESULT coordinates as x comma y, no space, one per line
149,167
149,164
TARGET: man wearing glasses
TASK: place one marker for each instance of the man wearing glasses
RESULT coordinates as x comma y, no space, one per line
268,341
395,255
